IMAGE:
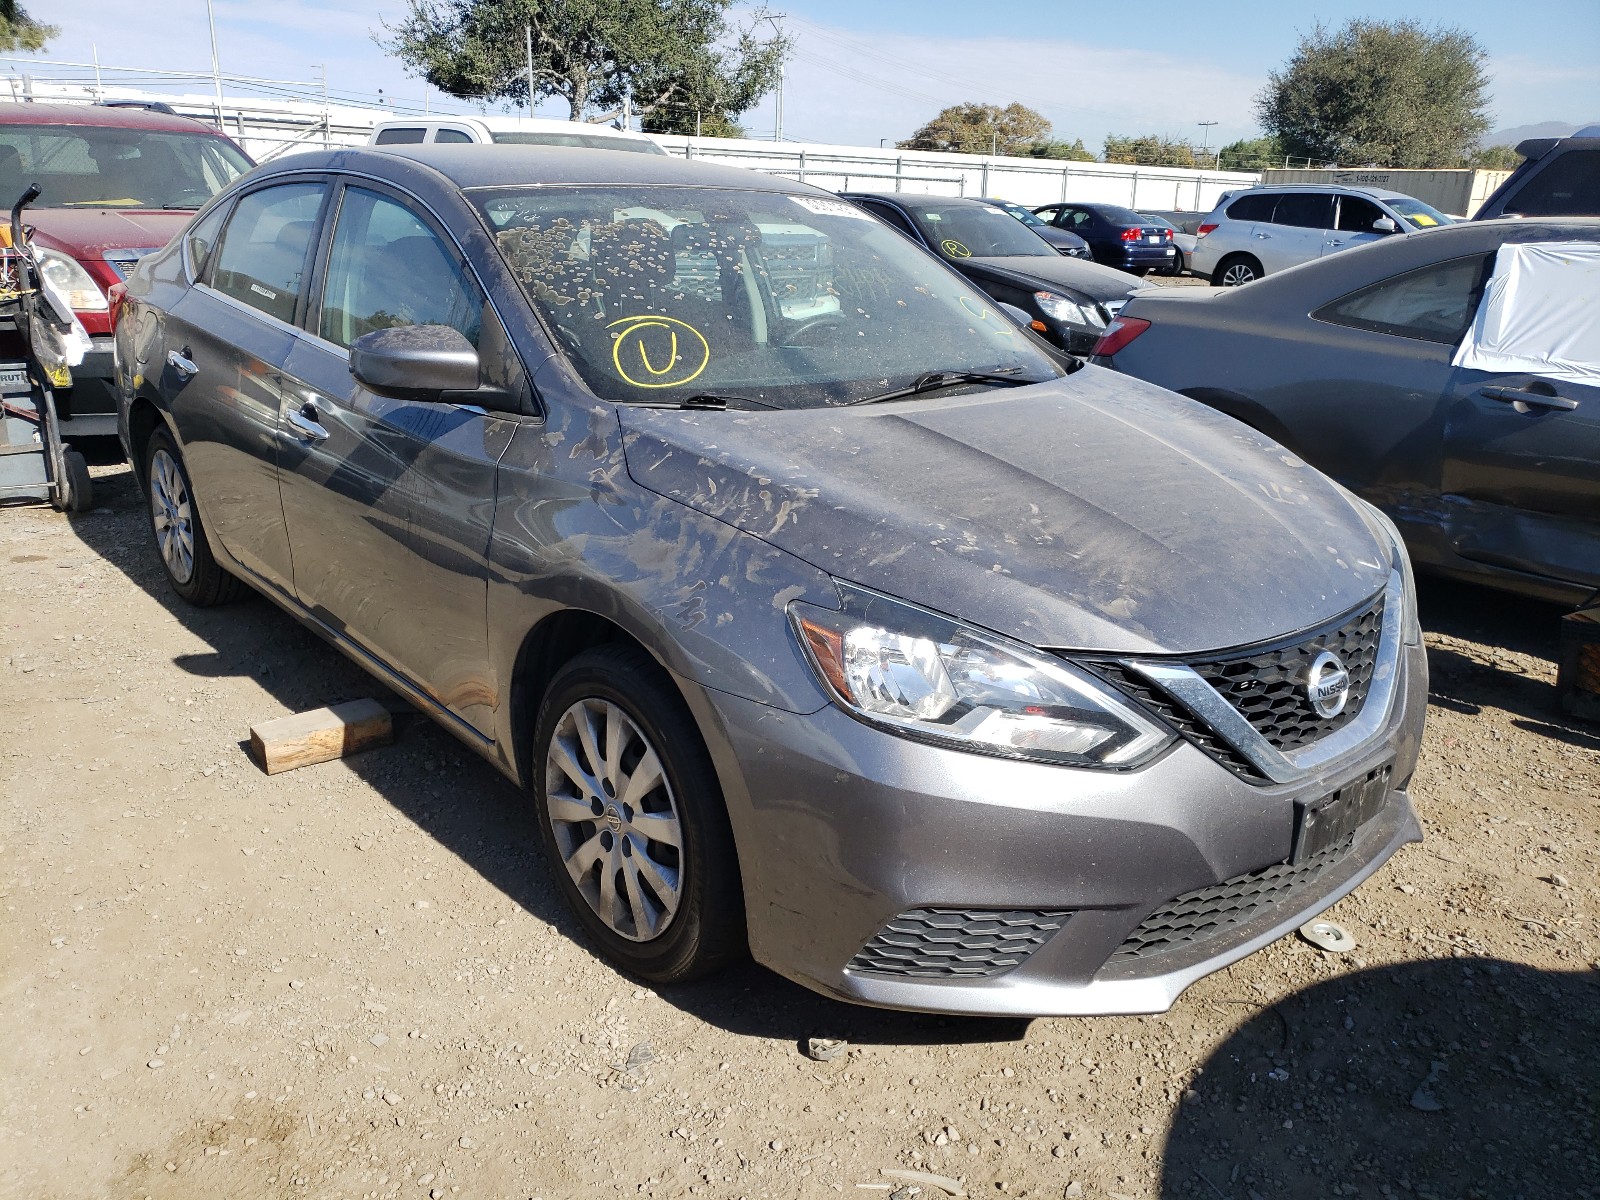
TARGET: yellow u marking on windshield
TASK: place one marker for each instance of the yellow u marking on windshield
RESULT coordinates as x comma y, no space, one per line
671,358
682,365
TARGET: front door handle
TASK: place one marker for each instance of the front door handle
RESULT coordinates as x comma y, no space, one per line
180,362
1533,399
307,422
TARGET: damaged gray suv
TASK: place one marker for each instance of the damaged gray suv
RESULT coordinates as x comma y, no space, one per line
822,611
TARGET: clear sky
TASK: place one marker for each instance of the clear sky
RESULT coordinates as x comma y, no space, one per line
879,68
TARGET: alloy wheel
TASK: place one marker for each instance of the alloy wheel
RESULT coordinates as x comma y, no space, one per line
1237,275
172,514
615,819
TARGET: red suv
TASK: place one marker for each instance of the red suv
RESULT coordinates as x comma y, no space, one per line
117,184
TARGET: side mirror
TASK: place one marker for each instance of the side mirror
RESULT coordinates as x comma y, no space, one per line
416,362
1385,225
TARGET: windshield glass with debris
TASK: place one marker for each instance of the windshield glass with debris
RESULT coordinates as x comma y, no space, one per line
88,166
971,230
661,294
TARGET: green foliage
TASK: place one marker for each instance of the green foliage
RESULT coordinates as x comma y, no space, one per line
981,129
1073,151
674,118
1495,158
592,53
1250,154
1151,150
19,31
1385,93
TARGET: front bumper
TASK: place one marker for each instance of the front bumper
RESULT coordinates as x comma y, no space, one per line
843,828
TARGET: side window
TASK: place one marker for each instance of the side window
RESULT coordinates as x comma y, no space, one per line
1076,218
201,239
262,258
1251,208
894,217
1304,210
1357,215
1432,304
388,269
1568,187
399,137
451,135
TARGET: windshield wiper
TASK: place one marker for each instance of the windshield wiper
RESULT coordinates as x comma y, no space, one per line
940,379
704,401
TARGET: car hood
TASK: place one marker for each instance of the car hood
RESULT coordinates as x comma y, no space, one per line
1093,512
90,232
1099,283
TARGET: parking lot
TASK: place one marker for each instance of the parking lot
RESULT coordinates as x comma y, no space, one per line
352,979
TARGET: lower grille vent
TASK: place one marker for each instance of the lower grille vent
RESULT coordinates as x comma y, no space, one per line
945,943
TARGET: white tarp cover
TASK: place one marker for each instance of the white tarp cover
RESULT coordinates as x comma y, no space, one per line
1540,314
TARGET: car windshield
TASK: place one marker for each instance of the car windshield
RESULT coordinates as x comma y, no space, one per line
1422,216
586,141
660,294
973,230
1026,216
78,166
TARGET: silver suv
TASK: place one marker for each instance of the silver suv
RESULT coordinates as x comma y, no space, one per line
1269,229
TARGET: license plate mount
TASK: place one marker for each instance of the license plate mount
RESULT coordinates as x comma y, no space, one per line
1325,822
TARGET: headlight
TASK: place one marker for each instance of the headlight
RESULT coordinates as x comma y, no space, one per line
1411,624
932,678
1070,312
73,282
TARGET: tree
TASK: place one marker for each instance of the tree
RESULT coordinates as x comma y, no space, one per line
1150,150
1073,151
1250,154
592,53
675,118
1495,158
19,31
1386,93
981,129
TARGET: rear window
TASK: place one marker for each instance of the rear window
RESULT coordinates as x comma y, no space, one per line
1568,187
1118,216
1251,208
399,137
1435,303
88,166
1304,210
455,136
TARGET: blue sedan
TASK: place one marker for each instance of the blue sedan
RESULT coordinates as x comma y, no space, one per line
1117,236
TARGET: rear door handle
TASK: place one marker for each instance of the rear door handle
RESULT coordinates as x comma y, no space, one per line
180,362
307,422
1532,399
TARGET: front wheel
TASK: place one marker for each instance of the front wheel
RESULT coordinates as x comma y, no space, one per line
1236,271
632,820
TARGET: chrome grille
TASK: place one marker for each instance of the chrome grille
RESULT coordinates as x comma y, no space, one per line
944,943
1269,687
1206,912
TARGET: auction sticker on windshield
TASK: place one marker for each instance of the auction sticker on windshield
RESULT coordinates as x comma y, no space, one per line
825,207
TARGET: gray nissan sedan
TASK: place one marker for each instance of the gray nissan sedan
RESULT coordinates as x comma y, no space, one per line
820,609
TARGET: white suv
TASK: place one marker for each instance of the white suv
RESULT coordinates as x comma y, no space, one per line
1268,229
514,131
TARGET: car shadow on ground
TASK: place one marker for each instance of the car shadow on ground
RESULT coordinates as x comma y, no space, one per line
1452,1078
1466,684
457,798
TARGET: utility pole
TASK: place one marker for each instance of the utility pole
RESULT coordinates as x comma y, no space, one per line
764,15
216,70
527,34
327,118
1206,140
99,92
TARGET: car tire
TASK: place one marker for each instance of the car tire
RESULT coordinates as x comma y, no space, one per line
175,523
1236,270
608,816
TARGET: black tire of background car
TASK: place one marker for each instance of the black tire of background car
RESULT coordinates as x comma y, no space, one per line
208,584
708,930
78,494
1236,260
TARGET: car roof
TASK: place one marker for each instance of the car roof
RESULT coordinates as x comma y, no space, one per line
480,165
515,125
1355,189
100,116
915,200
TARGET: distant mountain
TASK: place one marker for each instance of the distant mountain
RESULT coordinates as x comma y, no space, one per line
1521,133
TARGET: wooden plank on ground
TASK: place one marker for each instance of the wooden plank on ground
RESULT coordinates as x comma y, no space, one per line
320,735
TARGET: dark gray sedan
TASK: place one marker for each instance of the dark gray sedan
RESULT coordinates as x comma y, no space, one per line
819,609
1451,378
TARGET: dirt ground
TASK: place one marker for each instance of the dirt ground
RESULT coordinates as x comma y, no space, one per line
351,980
